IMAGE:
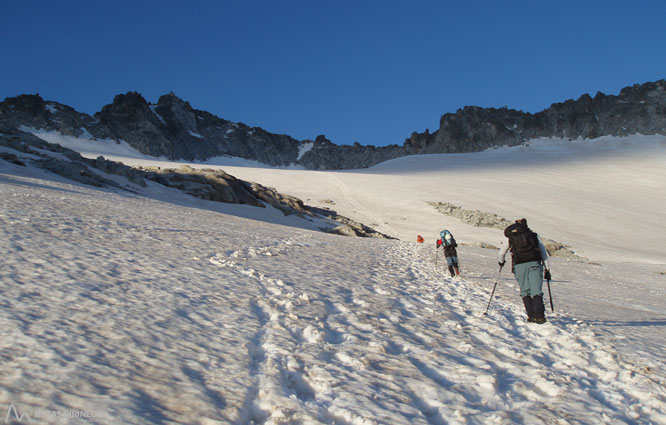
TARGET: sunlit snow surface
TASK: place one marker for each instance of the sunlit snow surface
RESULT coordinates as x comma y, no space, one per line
159,308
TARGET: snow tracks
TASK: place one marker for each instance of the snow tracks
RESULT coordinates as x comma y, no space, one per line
145,312
370,332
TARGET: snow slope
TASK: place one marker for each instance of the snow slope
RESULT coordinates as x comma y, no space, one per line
159,308
602,197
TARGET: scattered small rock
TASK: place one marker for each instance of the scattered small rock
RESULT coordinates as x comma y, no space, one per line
11,158
480,245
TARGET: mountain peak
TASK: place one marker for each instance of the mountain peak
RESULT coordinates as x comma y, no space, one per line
174,129
172,99
26,102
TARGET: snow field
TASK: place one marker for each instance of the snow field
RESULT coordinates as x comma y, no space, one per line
144,311
598,196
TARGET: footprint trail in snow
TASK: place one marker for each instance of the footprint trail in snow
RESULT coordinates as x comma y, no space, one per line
408,344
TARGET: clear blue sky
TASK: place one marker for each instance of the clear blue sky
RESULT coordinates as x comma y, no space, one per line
366,71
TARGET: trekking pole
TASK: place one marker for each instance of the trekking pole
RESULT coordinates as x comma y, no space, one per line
550,294
493,293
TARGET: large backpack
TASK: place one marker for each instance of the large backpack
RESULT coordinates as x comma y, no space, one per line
523,242
445,242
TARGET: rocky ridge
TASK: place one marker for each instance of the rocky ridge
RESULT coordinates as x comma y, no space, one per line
174,129
639,109
22,148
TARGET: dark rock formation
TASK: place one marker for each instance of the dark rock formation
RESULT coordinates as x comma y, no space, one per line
208,184
637,109
30,110
325,155
65,162
173,129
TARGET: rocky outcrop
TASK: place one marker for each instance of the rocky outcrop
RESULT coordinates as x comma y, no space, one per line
475,218
66,162
325,155
216,185
349,227
638,109
30,110
173,129
286,203
207,184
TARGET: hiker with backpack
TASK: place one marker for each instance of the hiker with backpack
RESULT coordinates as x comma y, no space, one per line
528,259
448,242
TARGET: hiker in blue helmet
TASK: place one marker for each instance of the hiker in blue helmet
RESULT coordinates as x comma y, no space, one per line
448,242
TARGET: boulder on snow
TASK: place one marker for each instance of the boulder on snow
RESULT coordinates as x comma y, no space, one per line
344,230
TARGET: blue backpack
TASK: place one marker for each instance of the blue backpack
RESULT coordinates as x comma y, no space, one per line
443,234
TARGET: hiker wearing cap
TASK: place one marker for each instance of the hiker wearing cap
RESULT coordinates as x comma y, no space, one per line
448,242
528,259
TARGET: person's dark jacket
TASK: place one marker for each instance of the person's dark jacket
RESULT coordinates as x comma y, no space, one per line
449,250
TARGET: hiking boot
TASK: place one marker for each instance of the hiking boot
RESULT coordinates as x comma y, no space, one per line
457,271
451,271
539,309
529,308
